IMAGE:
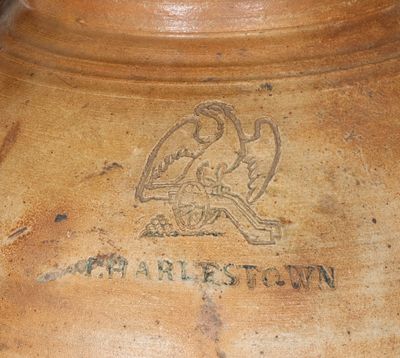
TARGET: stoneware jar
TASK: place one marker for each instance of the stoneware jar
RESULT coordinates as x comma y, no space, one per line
200,179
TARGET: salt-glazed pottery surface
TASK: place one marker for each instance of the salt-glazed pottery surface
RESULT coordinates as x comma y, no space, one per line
200,179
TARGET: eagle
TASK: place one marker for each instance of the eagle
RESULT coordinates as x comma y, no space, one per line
207,167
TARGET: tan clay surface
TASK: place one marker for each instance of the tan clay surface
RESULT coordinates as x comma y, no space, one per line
200,179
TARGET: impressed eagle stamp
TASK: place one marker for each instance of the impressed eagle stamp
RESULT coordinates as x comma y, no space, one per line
207,167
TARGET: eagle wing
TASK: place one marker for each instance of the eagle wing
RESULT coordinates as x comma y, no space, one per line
171,158
262,154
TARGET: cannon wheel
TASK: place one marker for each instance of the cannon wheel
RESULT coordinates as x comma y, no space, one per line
191,206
